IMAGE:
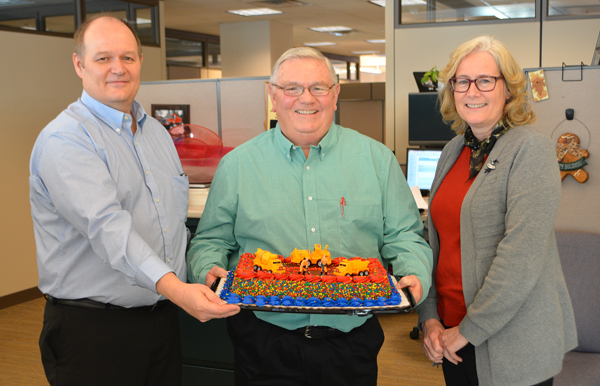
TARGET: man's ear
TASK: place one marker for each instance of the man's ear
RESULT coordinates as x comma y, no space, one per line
336,93
78,64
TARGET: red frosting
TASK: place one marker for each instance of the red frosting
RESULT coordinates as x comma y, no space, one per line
312,278
245,275
262,275
344,279
378,279
296,277
328,279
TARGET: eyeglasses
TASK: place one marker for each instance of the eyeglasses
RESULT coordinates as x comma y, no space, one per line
485,83
296,91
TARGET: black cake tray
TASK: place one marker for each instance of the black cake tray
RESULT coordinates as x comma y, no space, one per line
406,305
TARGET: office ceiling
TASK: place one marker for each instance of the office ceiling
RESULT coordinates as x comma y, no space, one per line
365,18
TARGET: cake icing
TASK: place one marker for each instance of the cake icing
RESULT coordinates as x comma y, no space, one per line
337,283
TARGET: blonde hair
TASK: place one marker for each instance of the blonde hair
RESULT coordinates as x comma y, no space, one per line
299,53
517,110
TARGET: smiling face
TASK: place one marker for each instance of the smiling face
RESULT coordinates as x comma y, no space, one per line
481,110
110,66
304,120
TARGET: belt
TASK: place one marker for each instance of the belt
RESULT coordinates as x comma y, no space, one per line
89,303
318,332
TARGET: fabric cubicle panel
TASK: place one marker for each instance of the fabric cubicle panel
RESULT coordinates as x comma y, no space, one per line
577,88
201,95
234,108
243,108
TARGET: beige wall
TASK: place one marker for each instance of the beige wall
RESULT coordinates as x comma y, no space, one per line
249,40
569,41
251,48
282,39
37,82
419,49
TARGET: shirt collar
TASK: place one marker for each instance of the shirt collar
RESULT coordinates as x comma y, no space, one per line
113,118
287,147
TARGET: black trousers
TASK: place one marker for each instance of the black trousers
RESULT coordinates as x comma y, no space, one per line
465,373
128,347
269,355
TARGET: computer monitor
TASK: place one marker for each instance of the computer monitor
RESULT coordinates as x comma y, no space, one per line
420,167
426,127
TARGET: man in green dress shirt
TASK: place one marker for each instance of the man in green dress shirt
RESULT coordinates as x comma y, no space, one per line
309,181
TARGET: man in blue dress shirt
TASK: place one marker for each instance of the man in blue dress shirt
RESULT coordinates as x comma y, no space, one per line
109,202
309,181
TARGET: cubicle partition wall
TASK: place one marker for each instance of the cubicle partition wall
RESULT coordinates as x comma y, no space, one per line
200,95
235,109
361,106
577,88
243,110
232,108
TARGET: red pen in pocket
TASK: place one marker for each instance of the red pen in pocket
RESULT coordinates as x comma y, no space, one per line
342,204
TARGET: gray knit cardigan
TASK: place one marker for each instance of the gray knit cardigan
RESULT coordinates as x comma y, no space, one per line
519,314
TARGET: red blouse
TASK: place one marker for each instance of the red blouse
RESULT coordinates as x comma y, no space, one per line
445,213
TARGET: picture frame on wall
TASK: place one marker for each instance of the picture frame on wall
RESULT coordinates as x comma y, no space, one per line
171,115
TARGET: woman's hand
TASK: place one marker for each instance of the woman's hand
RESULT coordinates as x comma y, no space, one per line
432,332
452,341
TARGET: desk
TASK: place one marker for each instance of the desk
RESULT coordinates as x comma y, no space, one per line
198,198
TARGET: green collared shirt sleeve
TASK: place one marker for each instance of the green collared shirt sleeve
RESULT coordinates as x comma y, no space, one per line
267,194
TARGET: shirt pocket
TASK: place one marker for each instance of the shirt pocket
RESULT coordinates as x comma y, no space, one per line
181,192
358,225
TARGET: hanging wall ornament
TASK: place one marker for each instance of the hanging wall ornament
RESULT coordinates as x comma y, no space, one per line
571,156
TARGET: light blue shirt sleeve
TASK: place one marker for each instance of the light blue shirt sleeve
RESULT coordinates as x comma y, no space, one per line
109,207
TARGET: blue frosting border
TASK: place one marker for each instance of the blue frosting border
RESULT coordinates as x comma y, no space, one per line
288,301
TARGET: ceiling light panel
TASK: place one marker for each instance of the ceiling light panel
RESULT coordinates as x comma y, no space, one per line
318,44
255,12
380,3
331,29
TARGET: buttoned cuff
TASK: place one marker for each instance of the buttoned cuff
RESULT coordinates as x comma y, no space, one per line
150,272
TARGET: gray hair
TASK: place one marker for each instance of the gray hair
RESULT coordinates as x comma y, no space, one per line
301,53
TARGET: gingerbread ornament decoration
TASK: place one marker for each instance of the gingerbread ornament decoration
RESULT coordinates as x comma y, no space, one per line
571,158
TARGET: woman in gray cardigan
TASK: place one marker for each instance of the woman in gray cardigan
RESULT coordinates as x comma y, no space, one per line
498,312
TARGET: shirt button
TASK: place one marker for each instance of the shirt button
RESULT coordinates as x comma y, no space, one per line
118,131
313,230
126,117
166,230
135,143
308,168
309,198
288,156
147,172
158,200
168,260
